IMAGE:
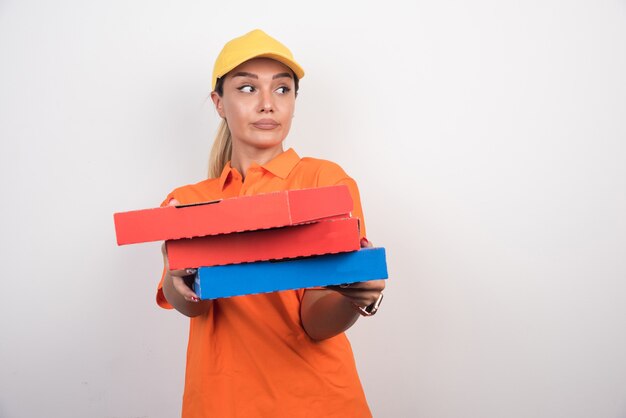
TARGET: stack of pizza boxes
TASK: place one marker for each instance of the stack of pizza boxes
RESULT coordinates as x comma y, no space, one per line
269,242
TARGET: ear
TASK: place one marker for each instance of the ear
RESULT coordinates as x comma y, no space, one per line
219,104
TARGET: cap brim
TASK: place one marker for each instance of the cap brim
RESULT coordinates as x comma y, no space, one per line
297,69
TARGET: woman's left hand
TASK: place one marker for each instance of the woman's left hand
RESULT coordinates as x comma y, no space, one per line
361,293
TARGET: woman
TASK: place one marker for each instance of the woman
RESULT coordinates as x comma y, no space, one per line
281,354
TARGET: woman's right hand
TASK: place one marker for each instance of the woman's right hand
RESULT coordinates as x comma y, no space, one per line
182,280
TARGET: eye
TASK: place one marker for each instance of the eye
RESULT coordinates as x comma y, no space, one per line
283,90
246,89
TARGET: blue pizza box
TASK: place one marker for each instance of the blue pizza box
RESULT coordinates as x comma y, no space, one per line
271,276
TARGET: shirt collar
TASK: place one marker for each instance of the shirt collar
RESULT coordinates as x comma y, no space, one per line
226,173
280,166
283,163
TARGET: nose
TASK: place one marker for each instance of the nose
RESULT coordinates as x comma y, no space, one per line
266,104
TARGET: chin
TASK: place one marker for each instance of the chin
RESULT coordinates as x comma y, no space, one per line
268,145
265,143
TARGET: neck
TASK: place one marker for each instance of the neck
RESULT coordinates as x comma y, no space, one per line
243,156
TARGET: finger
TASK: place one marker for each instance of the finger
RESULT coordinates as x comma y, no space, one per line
362,298
351,285
365,243
374,285
182,288
350,292
173,202
183,272
338,286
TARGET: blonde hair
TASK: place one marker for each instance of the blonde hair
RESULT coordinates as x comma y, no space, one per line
222,150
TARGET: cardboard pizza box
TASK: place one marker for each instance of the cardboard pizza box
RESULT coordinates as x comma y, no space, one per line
245,213
270,276
323,237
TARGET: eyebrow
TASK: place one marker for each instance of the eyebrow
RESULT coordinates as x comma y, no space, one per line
251,75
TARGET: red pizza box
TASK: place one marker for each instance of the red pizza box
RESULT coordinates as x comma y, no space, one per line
323,237
245,213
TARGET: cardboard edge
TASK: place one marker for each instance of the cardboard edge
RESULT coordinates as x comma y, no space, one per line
382,250
119,218
355,247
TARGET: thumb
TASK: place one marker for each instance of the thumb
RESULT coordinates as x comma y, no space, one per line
173,202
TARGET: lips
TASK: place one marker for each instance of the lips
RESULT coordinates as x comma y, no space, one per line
265,124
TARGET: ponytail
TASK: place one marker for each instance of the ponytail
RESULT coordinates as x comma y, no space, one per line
222,149
221,152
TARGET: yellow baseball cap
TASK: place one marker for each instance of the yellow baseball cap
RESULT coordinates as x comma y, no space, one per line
254,44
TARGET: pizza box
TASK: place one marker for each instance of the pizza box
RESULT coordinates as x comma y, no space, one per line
244,213
323,237
270,276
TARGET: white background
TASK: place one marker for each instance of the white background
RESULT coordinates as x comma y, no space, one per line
488,141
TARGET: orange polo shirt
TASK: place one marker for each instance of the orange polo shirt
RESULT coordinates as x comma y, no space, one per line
249,356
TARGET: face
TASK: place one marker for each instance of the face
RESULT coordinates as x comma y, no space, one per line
258,103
